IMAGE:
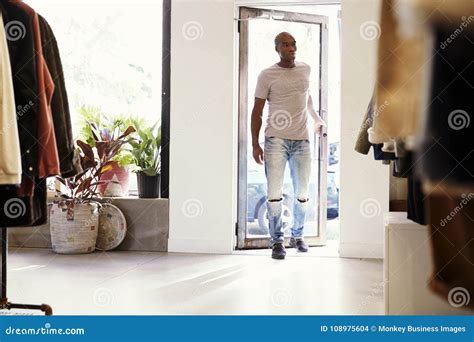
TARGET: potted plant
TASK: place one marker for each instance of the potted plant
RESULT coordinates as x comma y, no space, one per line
74,215
108,128
146,158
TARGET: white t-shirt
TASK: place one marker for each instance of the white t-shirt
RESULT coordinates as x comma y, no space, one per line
287,92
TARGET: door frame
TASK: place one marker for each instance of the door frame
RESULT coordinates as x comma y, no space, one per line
250,13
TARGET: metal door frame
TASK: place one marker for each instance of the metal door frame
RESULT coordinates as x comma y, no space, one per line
246,14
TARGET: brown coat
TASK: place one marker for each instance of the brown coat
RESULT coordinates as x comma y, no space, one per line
68,157
48,159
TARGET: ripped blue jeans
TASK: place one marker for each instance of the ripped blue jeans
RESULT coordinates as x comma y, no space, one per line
277,152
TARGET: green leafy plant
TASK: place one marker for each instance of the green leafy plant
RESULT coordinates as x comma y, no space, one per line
95,161
93,119
145,148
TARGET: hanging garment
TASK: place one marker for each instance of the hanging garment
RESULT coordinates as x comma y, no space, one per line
446,152
68,157
446,162
362,143
48,159
452,242
24,205
24,211
416,200
404,60
442,12
379,154
10,160
25,83
401,68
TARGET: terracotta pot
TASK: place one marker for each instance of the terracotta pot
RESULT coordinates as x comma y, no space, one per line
118,174
74,230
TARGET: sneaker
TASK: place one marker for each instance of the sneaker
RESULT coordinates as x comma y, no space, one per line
278,251
299,244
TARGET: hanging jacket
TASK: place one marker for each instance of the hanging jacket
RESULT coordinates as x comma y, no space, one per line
48,159
25,85
10,160
68,157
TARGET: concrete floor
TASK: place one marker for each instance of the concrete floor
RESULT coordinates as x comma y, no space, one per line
245,283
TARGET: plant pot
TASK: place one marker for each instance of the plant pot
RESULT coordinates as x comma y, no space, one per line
116,174
148,186
74,231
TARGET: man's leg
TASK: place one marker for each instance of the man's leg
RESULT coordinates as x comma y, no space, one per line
300,167
275,157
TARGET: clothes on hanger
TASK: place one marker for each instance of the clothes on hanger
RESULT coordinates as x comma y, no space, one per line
452,243
400,74
41,112
25,84
48,159
10,160
385,151
69,162
446,162
446,149
426,75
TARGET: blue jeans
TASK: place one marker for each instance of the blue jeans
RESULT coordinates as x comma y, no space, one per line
277,152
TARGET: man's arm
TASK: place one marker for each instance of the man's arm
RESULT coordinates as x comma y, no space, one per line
318,121
256,124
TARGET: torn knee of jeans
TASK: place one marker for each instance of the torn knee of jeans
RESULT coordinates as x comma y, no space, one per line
303,200
275,200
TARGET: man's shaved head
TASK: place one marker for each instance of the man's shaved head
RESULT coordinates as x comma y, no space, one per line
281,36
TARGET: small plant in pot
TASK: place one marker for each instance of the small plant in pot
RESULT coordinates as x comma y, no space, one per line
74,216
97,124
146,158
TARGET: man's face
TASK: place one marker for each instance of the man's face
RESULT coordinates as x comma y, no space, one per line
287,47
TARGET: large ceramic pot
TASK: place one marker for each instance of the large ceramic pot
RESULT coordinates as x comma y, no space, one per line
148,186
74,229
112,188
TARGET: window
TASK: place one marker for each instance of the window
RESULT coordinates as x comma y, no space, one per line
111,52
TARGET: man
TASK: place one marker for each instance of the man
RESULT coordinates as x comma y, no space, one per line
286,87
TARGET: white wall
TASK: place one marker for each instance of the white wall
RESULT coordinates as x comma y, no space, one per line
365,185
203,158
202,150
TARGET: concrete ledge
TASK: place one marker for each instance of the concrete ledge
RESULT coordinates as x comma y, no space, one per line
147,226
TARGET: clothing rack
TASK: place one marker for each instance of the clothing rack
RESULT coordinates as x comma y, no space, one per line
4,303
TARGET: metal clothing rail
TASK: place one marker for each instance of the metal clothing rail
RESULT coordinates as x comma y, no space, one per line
4,303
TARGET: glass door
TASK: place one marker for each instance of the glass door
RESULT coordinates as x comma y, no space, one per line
257,29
